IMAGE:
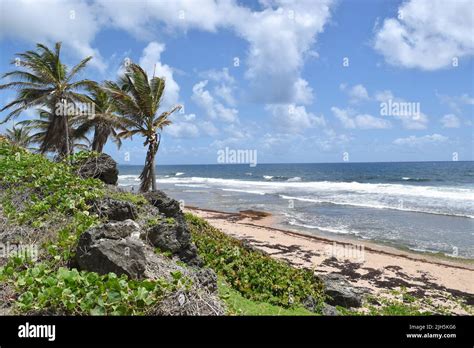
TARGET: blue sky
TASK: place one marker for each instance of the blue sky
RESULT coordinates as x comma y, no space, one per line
309,83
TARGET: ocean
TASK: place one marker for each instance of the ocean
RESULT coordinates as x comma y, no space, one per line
423,206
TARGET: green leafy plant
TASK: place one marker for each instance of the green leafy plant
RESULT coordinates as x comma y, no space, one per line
253,274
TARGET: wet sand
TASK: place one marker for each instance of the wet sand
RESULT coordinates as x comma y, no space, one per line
375,267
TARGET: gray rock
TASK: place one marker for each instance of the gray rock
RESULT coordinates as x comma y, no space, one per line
310,303
102,167
174,236
207,278
168,206
115,210
340,292
112,247
329,310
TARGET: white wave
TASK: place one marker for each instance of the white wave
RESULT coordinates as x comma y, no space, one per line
376,206
268,177
406,178
295,179
179,174
130,177
245,191
293,222
449,193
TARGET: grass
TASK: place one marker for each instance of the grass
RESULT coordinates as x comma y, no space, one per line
239,305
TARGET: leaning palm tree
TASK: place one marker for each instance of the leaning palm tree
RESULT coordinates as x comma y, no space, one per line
42,125
20,136
45,80
137,100
104,121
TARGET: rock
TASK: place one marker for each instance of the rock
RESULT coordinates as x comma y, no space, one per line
112,247
207,278
102,167
329,310
168,206
173,236
310,304
340,292
115,210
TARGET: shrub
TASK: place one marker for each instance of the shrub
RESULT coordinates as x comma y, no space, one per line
255,275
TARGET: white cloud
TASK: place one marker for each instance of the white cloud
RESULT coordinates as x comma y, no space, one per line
150,61
351,120
49,21
182,130
414,120
450,121
413,141
225,84
427,34
357,93
294,119
285,29
213,108
456,102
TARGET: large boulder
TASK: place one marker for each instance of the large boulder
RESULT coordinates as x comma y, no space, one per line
172,235
101,167
340,292
115,210
112,247
166,205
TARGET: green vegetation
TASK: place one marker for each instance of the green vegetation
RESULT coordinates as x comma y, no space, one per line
52,194
70,292
254,275
239,305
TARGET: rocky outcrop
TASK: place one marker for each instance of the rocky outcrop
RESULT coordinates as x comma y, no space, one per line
101,167
166,205
115,210
340,292
171,233
173,236
113,247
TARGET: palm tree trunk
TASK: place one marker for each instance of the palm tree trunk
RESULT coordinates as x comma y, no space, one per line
101,134
147,176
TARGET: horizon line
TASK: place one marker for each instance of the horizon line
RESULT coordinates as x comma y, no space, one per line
248,164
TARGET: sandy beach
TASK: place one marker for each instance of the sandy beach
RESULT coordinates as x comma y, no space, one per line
376,268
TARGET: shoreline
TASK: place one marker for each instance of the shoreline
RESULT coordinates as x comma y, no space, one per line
376,268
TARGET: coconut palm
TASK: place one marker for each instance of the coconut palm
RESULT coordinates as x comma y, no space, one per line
137,100
104,121
41,125
45,80
20,136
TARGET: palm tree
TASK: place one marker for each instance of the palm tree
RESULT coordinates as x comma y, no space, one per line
47,81
104,121
77,139
20,136
137,100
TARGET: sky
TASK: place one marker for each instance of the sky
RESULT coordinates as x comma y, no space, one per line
295,81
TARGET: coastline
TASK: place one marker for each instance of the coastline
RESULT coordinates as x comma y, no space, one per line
378,269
